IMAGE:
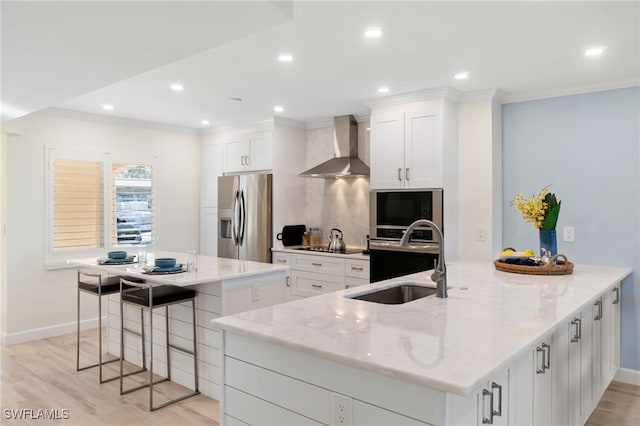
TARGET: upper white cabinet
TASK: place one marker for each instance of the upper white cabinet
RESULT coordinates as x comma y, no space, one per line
407,145
248,153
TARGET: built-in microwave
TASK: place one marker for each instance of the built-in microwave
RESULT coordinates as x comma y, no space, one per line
391,213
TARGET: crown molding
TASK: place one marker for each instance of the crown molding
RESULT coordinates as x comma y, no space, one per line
568,91
109,119
417,96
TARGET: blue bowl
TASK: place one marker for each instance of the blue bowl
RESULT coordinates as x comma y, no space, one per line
166,262
117,254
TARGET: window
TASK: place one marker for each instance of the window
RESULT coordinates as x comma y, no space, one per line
99,201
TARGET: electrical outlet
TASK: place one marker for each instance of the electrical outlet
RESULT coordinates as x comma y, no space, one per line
481,233
568,234
342,410
255,292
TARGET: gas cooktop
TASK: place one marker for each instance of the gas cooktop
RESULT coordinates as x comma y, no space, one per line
323,249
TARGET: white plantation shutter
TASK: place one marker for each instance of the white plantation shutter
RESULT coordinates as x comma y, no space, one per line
77,205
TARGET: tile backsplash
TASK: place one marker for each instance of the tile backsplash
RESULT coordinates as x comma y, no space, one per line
337,203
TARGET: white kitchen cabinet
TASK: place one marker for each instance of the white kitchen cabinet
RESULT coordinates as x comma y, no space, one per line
313,274
248,153
209,232
542,382
615,332
280,258
211,167
407,147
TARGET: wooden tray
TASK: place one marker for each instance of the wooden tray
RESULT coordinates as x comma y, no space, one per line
556,267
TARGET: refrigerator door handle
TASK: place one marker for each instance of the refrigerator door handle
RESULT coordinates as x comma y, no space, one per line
243,209
235,225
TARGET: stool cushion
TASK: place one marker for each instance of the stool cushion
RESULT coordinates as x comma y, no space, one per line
110,285
162,295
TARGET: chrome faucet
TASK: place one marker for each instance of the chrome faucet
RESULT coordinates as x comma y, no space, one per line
439,275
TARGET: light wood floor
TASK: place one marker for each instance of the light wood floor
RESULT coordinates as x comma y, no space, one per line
41,375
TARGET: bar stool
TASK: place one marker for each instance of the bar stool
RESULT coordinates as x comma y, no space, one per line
148,297
96,285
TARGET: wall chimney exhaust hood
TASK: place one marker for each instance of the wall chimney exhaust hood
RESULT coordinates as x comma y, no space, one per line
346,162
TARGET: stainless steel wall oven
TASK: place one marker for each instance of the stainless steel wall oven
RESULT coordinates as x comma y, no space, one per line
391,213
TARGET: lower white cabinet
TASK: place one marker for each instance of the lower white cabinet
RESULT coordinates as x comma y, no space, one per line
280,258
493,400
313,274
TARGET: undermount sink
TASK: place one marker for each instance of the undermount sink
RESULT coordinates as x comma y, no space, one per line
401,293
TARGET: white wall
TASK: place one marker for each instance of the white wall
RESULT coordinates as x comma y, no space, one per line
480,171
337,203
42,302
3,235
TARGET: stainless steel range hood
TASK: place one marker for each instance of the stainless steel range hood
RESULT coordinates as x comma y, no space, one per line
346,162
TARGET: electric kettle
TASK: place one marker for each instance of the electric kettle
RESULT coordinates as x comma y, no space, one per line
336,244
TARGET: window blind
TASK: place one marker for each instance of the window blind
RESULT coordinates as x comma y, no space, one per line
77,205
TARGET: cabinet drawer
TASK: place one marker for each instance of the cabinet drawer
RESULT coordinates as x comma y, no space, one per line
350,282
322,264
307,284
357,268
282,258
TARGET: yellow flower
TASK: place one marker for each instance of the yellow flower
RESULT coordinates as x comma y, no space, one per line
533,210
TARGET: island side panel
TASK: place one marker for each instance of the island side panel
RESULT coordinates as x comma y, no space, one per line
254,367
213,300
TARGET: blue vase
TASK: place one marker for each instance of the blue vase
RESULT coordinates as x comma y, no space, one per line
548,242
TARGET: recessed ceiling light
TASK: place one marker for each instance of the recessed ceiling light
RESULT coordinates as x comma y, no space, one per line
177,87
595,51
107,107
285,57
278,108
205,122
373,32
461,75
383,89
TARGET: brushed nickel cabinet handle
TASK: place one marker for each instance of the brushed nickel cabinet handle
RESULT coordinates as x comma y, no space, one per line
399,174
538,350
599,315
487,420
357,268
316,285
577,335
547,364
494,386
616,290
406,173
316,264
282,260
288,282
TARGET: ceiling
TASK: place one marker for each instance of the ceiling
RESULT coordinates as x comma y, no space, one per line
222,50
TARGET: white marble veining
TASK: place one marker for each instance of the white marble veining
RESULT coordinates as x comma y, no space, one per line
210,269
450,344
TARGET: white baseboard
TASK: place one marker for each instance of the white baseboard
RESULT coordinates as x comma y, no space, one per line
626,375
44,332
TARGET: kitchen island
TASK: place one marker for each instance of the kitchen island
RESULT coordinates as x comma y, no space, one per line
224,287
501,349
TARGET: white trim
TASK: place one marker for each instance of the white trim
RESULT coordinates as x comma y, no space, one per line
87,116
626,375
567,91
417,96
51,331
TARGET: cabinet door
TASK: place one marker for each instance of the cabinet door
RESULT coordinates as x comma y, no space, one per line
258,156
235,156
387,150
284,259
605,324
542,383
559,370
493,400
574,372
423,149
209,232
596,353
586,364
615,330
211,168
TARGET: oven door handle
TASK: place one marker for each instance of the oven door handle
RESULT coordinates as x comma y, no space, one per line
395,246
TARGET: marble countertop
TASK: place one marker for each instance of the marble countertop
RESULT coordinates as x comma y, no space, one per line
294,250
210,269
450,344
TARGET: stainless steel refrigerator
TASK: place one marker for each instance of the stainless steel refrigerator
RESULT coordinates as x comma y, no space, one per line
244,211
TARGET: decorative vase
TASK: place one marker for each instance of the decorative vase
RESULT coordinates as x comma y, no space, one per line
548,243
